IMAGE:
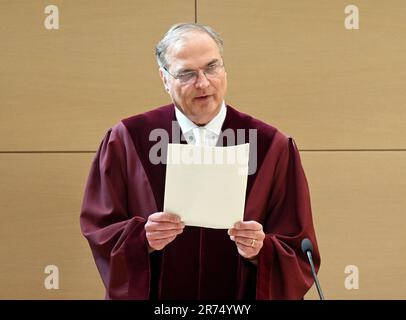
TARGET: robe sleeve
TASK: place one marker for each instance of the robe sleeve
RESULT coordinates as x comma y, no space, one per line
283,270
107,225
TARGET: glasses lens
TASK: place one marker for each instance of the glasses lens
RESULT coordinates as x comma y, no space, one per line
211,72
187,77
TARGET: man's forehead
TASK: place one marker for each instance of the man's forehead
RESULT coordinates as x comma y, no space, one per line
197,48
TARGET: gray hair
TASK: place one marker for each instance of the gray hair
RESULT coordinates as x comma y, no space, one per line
176,33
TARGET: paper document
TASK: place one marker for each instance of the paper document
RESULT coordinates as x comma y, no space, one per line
205,185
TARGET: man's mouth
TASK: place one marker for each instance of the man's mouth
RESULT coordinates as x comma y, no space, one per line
202,98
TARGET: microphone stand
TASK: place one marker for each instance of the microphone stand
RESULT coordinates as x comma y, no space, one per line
307,248
316,280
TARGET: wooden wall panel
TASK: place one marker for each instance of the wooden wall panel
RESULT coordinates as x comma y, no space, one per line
293,64
359,203
61,89
40,200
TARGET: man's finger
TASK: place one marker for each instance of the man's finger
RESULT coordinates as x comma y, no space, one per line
248,225
249,242
161,243
164,217
246,234
159,235
162,226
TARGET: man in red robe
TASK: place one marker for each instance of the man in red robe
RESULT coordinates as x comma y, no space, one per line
144,253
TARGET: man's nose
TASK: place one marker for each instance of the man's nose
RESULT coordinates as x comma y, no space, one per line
202,81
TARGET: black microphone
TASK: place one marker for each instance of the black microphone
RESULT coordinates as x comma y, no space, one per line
307,249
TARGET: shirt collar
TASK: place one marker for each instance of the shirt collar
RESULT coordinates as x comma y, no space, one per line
214,125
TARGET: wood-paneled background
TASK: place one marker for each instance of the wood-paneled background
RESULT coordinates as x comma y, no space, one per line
340,93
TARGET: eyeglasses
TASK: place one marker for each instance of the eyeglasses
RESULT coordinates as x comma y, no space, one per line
212,71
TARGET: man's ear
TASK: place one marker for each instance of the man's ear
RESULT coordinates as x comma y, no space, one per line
164,79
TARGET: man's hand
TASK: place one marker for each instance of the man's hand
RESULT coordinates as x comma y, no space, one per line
161,229
249,238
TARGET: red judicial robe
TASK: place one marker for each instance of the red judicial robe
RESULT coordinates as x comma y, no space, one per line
124,188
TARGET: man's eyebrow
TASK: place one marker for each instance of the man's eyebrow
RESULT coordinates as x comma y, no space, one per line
185,70
213,61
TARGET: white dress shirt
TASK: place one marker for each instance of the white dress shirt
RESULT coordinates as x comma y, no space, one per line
205,135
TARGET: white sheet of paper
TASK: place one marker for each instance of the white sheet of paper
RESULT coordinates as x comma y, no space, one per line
205,185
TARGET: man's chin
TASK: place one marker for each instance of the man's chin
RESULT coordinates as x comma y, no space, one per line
204,114
208,105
